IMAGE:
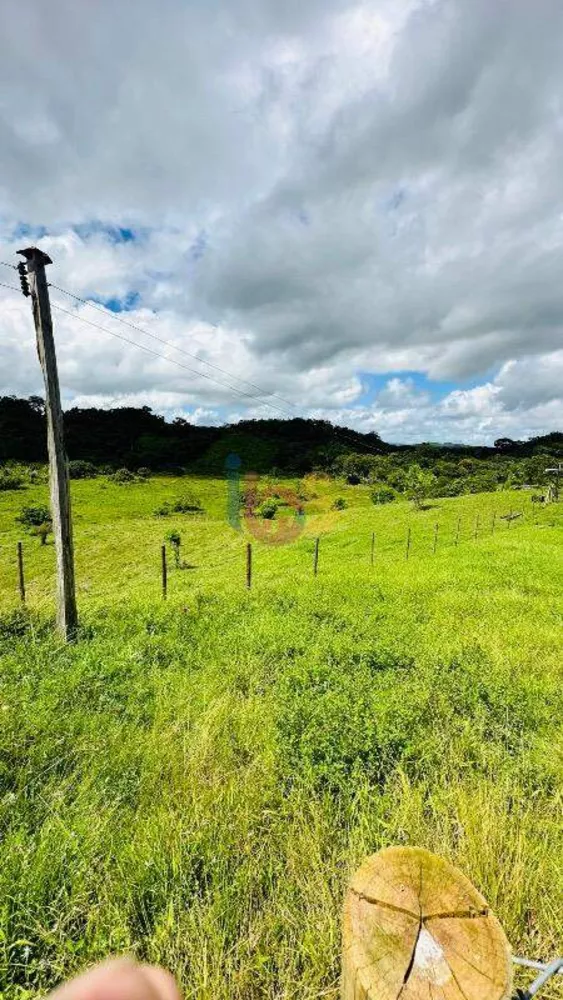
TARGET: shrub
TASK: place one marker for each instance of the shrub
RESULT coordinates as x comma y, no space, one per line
144,472
175,539
382,494
79,469
339,504
187,504
163,511
267,509
33,517
42,531
123,477
10,480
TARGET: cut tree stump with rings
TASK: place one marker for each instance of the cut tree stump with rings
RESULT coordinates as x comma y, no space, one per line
415,928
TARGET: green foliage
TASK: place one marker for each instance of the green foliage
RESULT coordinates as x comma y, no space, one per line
144,472
339,503
175,540
267,509
10,480
80,469
34,516
419,484
382,494
194,780
42,531
124,477
188,503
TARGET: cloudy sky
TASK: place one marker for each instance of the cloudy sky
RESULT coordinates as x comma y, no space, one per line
357,207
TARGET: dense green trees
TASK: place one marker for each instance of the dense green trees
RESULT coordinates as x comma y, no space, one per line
130,439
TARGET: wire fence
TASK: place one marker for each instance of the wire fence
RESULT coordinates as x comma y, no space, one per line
250,560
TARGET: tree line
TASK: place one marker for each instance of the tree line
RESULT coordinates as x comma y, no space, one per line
136,438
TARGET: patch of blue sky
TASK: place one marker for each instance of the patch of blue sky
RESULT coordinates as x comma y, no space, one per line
113,233
125,303
420,382
26,231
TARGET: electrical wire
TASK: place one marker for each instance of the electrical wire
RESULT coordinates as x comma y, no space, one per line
256,397
168,343
156,354
6,264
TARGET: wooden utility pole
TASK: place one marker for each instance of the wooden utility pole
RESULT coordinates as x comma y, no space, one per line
67,618
249,565
408,549
316,558
372,547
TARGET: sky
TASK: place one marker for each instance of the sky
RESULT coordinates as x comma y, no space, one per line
349,211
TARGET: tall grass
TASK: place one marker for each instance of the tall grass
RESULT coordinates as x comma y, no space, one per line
195,781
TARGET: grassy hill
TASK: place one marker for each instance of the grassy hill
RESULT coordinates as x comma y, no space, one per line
195,779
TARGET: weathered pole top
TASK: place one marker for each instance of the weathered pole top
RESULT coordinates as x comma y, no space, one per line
34,253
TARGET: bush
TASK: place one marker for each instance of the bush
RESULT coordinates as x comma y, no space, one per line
79,469
42,531
10,480
339,504
267,509
34,517
123,477
187,504
383,494
175,540
144,472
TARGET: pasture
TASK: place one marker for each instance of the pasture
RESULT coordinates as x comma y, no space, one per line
195,779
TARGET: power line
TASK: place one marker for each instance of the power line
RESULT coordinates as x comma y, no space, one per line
248,395
168,343
156,354
6,264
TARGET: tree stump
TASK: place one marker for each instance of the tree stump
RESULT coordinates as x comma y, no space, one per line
414,928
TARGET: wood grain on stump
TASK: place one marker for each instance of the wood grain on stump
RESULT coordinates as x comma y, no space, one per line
415,928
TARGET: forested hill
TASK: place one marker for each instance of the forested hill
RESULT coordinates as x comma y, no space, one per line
134,437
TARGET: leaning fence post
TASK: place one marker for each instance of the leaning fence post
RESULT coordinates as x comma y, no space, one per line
316,558
372,547
164,571
435,545
408,543
249,565
21,579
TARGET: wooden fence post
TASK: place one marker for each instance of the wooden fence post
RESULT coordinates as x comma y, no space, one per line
475,533
457,531
21,579
372,547
249,565
408,543
435,546
493,524
164,571
316,558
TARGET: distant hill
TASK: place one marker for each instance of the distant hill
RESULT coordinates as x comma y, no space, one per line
134,437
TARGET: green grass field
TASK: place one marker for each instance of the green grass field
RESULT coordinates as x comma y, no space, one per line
195,780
